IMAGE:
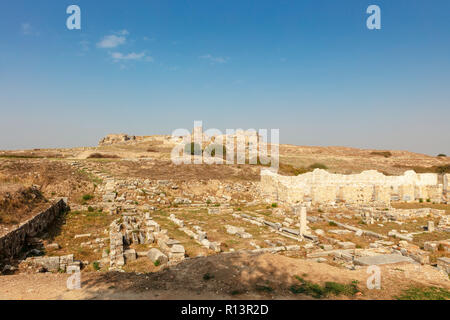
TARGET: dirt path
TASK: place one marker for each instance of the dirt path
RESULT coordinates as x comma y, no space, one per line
224,276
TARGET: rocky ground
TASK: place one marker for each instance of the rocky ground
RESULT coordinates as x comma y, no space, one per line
225,276
142,227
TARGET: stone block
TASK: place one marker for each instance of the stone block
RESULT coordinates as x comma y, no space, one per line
346,245
382,259
156,255
443,263
130,255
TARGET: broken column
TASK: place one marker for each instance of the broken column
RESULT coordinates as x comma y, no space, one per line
430,226
301,213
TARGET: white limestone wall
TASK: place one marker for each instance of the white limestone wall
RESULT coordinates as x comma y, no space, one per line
366,187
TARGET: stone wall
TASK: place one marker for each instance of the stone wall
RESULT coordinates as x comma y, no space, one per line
12,242
368,187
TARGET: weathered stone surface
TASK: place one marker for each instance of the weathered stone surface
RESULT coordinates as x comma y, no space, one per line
116,138
233,230
443,263
346,245
52,246
12,242
177,248
79,236
130,255
156,255
382,259
109,197
369,186
49,263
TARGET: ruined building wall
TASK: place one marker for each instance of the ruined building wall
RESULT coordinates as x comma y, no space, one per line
12,242
368,187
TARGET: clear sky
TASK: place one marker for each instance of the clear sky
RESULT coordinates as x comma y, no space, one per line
310,68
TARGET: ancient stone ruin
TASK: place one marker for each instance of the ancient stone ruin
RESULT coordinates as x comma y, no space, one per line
369,187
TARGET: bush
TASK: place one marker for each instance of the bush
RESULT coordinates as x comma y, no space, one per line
102,156
96,265
442,155
193,149
385,154
274,205
318,166
87,197
443,169
211,149
207,276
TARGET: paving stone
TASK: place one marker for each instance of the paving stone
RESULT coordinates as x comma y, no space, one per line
382,259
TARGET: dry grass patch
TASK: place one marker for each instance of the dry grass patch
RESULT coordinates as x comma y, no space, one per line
19,203
65,228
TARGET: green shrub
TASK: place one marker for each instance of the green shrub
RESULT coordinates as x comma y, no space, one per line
318,165
87,197
193,149
274,205
211,149
207,276
96,265
307,288
90,209
332,224
157,263
442,155
443,169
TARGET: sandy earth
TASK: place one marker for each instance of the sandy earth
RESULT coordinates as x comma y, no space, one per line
233,276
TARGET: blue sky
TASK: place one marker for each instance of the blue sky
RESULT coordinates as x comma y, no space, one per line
310,68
